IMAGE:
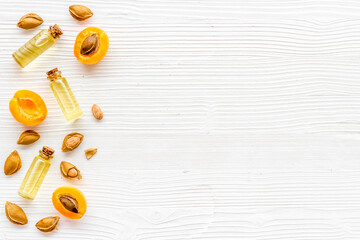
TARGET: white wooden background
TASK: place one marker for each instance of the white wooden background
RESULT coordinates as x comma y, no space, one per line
224,119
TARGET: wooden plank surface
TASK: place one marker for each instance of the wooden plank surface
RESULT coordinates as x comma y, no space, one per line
223,119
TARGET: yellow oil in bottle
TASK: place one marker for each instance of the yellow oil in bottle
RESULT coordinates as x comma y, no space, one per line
64,95
36,174
37,45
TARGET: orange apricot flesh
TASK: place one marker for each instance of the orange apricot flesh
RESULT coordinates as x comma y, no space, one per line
28,108
73,193
101,49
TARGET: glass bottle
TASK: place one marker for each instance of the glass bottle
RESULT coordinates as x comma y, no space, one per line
37,45
36,174
64,96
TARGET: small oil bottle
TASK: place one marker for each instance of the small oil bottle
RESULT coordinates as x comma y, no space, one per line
36,174
64,96
37,45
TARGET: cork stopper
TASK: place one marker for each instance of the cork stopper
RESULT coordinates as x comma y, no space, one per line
53,74
47,151
55,31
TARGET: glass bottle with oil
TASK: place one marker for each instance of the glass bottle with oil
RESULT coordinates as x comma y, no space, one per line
64,96
36,174
37,45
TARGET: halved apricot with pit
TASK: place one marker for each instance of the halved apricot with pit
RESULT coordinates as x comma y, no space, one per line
91,45
70,202
28,108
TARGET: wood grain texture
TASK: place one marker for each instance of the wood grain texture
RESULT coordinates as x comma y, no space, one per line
223,119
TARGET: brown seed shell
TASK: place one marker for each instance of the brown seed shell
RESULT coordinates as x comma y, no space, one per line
30,20
12,163
28,137
90,45
80,12
90,152
68,170
70,203
15,214
97,112
48,224
72,141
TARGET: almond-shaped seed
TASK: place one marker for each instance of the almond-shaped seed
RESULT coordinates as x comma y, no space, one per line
97,112
80,12
90,45
12,163
28,137
48,224
15,214
68,170
70,203
90,152
30,20
72,141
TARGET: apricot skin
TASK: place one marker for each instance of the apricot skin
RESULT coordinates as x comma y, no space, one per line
28,108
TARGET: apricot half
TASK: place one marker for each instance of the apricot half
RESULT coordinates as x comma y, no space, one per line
70,202
28,108
91,45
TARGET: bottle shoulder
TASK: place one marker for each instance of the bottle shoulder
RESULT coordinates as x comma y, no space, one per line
42,159
58,81
44,38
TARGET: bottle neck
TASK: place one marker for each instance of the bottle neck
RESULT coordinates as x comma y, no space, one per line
55,78
44,156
